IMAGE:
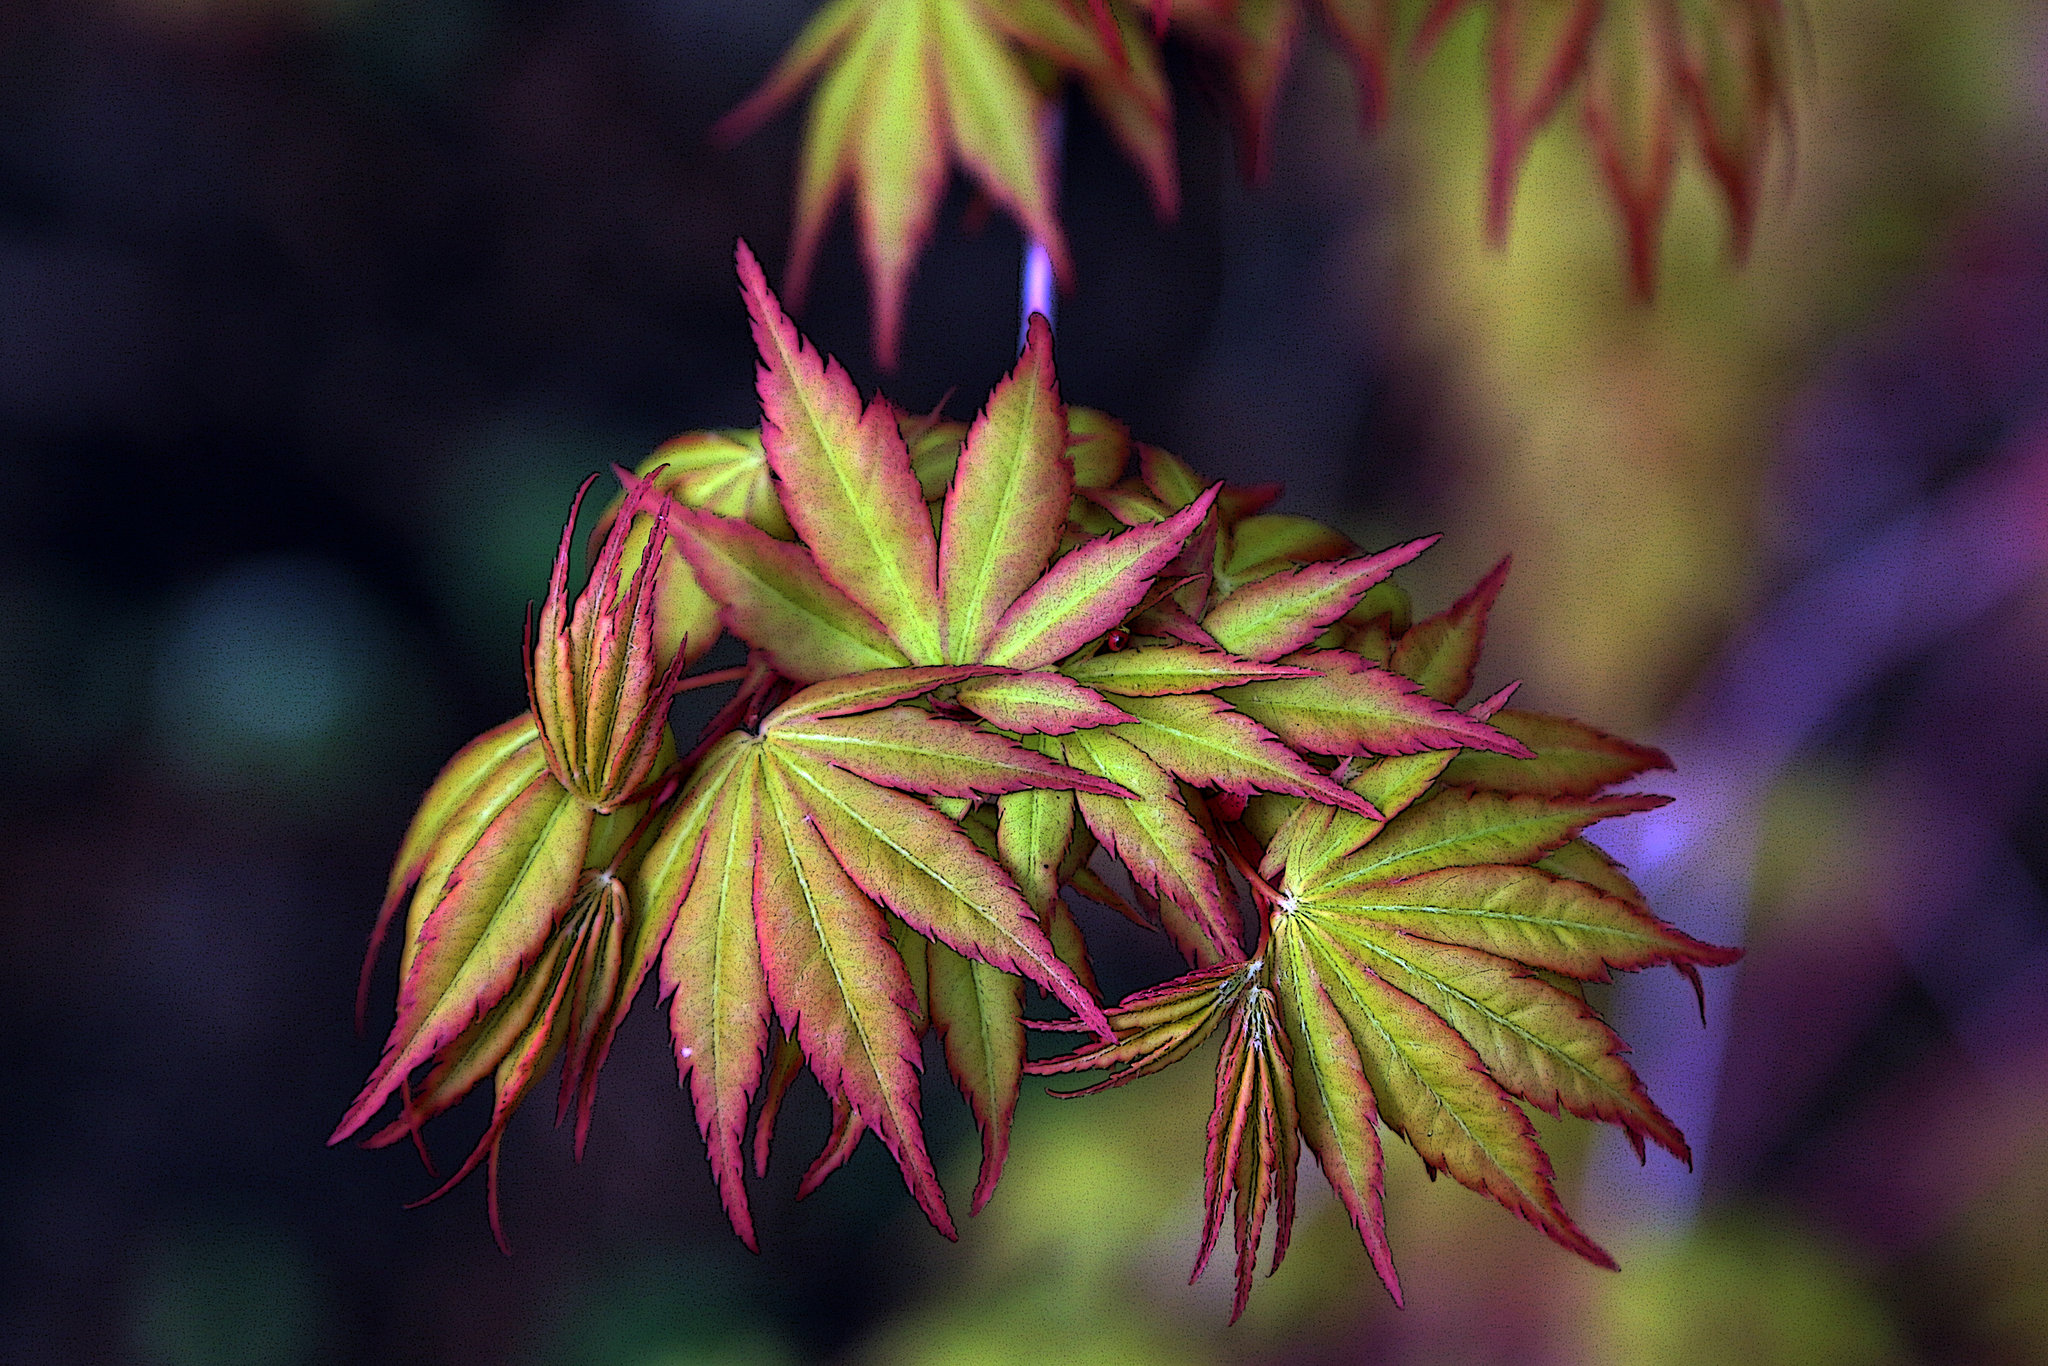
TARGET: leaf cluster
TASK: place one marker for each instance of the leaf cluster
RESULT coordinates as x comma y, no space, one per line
907,89
989,664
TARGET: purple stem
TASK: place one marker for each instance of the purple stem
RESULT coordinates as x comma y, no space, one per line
1036,293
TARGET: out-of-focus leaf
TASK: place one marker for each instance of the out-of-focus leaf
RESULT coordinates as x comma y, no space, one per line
1635,97
908,88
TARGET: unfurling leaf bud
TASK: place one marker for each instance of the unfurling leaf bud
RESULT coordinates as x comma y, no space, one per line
600,688
567,1001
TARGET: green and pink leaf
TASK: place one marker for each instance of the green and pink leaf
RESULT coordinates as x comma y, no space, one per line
1008,500
773,597
1038,704
908,857
853,693
1285,612
498,908
711,972
840,989
1524,914
1442,652
1458,826
1167,670
845,476
978,1010
1359,708
1433,1089
1338,1115
1089,591
1157,840
1542,1044
908,748
1201,739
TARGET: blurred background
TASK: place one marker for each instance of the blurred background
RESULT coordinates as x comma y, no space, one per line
313,313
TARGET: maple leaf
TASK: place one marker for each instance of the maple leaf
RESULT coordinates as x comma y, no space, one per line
1413,953
1441,653
978,1012
566,1004
868,584
598,684
774,868
907,88
1253,1141
1172,737
980,603
723,472
1267,542
1418,958
1398,986
1651,71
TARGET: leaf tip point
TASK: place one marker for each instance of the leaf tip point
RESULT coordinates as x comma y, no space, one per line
748,264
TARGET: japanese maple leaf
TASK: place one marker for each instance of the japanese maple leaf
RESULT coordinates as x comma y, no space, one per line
909,87
1216,721
774,869
1407,965
1254,1139
1168,726
1403,983
869,585
1418,968
1655,74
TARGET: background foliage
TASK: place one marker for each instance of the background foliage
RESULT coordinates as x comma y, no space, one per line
314,309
